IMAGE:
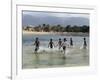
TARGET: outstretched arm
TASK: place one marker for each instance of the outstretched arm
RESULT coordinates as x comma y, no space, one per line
33,43
57,44
62,44
48,44
54,45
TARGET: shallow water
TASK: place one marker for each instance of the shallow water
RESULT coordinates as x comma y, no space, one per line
46,57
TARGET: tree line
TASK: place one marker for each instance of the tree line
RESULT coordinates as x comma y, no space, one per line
58,28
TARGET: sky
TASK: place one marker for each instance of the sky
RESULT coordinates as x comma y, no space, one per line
53,18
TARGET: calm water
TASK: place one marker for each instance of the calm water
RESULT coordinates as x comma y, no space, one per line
55,57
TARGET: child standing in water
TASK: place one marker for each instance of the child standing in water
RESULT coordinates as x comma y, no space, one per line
59,43
71,42
51,44
37,44
84,44
64,44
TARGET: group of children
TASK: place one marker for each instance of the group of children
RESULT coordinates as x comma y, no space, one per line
61,44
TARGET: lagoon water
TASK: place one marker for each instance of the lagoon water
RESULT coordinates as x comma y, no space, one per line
47,58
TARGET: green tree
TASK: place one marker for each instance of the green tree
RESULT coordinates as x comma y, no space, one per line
67,28
85,28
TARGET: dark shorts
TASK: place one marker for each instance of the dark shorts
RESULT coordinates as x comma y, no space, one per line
51,46
64,47
37,48
71,44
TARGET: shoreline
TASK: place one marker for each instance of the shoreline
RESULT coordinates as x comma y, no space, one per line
57,33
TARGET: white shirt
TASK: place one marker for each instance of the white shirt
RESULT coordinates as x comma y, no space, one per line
65,44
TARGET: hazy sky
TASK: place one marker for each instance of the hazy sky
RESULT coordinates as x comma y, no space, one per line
53,18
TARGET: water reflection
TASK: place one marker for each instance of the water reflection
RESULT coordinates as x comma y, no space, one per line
48,59
36,60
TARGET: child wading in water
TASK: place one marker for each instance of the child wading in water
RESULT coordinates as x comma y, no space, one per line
51,44
59,43
37,44
64,44
71,42
84,44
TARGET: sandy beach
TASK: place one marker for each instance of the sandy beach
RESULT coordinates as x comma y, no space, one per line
57,33
39,33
